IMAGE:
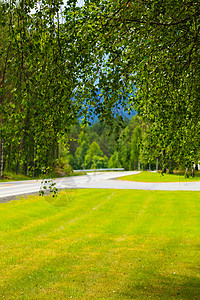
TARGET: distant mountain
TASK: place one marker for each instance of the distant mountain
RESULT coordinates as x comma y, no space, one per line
120,111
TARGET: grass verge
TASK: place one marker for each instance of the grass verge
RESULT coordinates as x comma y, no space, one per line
101,244
8,176
158,177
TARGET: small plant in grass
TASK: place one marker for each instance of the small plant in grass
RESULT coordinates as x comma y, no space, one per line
48,185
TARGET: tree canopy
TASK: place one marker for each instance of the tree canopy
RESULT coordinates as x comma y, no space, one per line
56,68
154,46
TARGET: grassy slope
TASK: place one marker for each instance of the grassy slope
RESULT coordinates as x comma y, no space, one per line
158,177
14,177
101,244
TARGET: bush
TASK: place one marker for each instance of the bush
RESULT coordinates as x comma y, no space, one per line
63,168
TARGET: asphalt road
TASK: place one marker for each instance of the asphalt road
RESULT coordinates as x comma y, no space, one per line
94,180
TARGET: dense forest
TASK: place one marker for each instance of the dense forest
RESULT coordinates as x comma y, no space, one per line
103,146
124,145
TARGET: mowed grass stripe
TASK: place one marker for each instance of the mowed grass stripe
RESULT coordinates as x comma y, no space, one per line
104,244
38,212
44,228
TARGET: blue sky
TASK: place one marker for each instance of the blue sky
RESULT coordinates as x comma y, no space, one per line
79,3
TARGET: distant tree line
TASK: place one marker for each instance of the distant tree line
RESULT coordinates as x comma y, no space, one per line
125,145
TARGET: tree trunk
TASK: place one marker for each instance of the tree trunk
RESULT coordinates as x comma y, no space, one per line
135,165
58,151
9,158
33,171
18,163
26,168
163,162
170,168
157,164
17,167
1,158
138,165
149,166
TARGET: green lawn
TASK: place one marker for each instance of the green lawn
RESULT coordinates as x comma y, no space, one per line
101,244
158,177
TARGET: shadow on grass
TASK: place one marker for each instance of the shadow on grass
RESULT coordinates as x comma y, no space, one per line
158,286
63,275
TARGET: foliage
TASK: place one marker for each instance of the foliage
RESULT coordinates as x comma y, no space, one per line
116,144
154,46
50,185
93,151
37,104
81,151
114,161
129,140
62,167
99,162
93,61
136,139
41,67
